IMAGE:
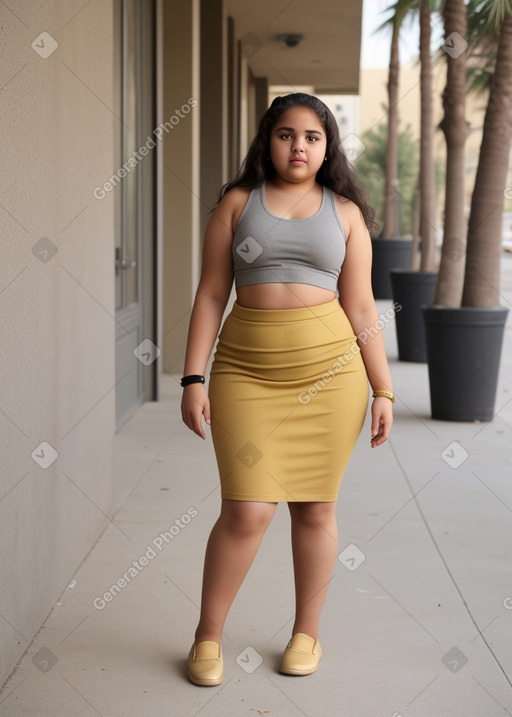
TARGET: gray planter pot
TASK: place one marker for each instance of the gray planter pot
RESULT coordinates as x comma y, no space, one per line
411,291
388,254
463,352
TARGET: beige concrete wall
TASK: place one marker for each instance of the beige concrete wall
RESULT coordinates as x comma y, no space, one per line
180,176
56,303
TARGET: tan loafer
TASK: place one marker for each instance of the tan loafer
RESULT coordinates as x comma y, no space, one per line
302,656
205,665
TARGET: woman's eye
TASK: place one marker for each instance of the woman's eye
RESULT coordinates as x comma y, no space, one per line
309,138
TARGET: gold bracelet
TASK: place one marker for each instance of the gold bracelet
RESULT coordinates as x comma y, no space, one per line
384,394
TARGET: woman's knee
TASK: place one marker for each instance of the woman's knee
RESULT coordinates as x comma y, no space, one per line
246,518
313,515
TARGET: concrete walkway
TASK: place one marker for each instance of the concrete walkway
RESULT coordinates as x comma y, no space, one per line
417,621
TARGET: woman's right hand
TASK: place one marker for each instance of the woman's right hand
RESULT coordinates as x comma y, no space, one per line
194,405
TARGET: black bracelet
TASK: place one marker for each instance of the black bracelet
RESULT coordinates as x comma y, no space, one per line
193,378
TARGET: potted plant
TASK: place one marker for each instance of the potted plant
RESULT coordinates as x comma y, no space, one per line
412,289
464,342
389,249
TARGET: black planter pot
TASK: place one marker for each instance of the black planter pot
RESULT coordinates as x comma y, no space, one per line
463,351
411,291
388,254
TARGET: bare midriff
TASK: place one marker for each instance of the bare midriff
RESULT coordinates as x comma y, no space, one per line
282,296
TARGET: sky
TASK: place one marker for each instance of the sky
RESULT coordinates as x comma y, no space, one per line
375,46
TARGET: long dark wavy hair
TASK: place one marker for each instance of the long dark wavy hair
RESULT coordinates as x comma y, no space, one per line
336,172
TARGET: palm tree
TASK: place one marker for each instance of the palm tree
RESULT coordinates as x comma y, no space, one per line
483,36
475,281
412,289
371,167
399,10
455,129
464,342
427,198
482,273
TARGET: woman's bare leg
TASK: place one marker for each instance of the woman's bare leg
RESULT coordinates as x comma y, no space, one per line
315,546
232,546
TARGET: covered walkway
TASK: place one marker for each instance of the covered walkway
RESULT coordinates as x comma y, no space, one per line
418,617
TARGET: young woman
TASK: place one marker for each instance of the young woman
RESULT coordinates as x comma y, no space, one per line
288,388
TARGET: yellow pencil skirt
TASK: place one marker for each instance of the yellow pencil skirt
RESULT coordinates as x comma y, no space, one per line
288,393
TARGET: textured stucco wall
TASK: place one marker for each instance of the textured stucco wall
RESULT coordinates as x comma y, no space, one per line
56,303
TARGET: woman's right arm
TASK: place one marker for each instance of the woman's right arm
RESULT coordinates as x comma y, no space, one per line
209,306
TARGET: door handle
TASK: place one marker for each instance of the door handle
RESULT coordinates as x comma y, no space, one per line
123,263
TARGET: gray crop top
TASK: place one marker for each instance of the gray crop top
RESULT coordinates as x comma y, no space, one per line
271,249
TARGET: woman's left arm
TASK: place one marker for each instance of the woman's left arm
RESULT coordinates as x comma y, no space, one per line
356,298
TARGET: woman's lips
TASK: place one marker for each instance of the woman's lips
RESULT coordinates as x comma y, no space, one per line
297,161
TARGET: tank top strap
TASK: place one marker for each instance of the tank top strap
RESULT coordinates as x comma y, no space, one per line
332,207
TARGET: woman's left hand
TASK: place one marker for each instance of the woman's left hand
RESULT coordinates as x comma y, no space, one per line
382,420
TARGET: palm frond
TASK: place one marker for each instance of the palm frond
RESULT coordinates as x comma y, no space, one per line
484,23
479,78
482,28
498,10
398,11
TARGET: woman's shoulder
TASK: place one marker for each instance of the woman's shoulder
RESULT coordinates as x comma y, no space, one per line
237,195
345,203
233,203
348,212
234,198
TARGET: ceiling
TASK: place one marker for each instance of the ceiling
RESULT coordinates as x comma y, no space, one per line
328,57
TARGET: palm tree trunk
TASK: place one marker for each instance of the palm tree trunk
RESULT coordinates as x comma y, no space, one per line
416,214
427,170
482,277
455,129
389,227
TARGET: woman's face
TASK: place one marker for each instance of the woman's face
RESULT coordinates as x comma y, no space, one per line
297,145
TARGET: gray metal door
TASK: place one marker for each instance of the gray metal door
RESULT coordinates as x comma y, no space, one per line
135,243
